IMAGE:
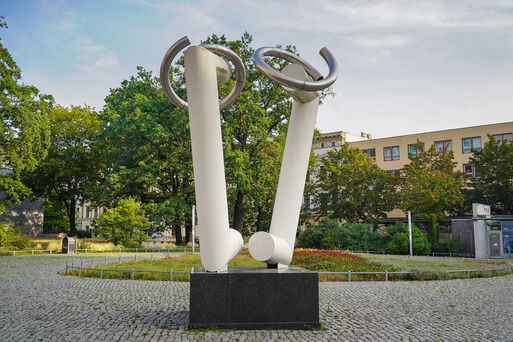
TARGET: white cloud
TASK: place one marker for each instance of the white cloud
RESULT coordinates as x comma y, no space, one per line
377,42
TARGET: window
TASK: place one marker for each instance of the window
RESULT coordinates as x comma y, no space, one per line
391,153
443,145
322,145
88,212
471,144
414,150
332,143
469,170
503,137
306,202
371,152
394,172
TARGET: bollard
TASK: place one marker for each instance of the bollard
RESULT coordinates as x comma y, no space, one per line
14,253
450,254
348,276
171,275
120,250
101,272
67,267
152,257
132,274
32,252
50,251
168,254
120,258
80,271
433,253
386,275
136,249
184,250
135,257
86,250
468,273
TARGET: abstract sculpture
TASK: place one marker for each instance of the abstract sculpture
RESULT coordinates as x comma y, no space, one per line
248,297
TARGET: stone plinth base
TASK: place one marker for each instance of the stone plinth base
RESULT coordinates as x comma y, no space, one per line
255,298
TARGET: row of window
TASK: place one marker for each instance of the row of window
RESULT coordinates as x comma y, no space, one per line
333,143
468,145
468,169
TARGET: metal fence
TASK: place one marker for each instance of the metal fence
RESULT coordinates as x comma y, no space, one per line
104,261
91,250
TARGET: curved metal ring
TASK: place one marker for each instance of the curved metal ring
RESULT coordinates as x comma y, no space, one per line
183,42
319,82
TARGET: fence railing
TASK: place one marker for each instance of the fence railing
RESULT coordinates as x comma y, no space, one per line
119,259
79,265
92,250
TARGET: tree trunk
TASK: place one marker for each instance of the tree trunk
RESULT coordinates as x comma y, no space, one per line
238,211
70,210
178,233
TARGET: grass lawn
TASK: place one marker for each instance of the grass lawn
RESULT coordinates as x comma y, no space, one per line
433,268
315,260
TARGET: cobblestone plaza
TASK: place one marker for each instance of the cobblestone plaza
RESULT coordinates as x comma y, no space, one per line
37,304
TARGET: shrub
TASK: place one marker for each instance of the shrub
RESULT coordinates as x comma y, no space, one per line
454,245
83,234
359,237
125,224
314,236
328,243
10,237
398,241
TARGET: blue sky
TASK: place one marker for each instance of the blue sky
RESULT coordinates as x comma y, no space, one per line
405,66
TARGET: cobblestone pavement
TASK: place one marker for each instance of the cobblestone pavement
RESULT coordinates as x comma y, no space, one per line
37,304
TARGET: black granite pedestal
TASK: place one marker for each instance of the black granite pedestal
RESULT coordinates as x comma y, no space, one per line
255,298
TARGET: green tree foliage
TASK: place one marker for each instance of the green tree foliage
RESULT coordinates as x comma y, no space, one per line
430,188
494,182
24,128
350,186
73,162
398,241
126,224
149,153
55,217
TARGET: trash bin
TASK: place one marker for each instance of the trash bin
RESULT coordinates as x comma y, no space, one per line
69,245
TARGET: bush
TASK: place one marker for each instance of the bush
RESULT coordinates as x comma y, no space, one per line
314,236
126,224
10,237
359,237
81,234
398,242
454,245
328,234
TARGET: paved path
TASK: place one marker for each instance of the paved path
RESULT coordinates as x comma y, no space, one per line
37,304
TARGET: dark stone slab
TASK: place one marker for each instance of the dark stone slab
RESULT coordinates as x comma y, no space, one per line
255,298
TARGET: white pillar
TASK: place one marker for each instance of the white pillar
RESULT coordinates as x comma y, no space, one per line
277,246
409,233
219,244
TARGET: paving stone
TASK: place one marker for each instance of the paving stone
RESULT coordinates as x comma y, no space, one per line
37,304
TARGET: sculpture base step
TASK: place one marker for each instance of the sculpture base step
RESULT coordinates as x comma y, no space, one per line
254,298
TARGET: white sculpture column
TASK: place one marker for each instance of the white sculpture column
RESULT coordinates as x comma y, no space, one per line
277,246
218,243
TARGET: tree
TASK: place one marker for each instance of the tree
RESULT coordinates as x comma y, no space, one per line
398,240
350,186
430,188
147,145
493,183
24,128
125,224
74,161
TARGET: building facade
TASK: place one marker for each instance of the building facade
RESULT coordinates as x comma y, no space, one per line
392,153
86,214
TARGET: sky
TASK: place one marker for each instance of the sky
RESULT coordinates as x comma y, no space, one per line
404,66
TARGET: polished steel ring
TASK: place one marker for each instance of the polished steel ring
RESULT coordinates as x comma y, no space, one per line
319,82
165,68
